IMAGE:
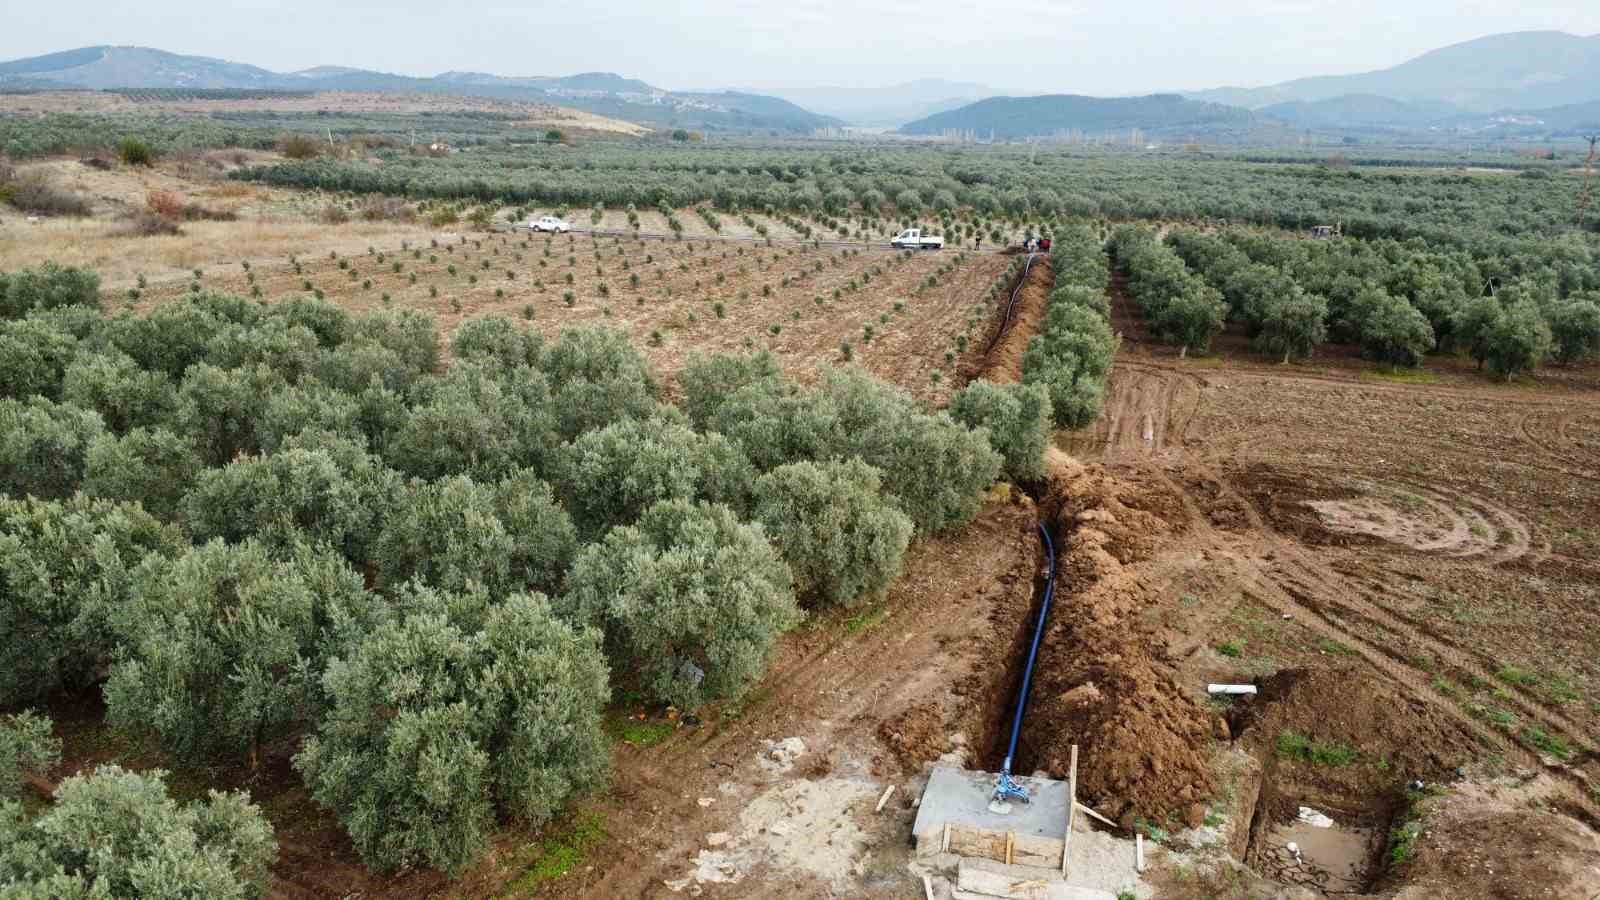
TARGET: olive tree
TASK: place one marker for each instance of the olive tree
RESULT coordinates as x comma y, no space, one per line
125,395
609,475
477,422
1394,332
597,377
293,495
27,748
707,382
222,646
47,287
1519,340
1292,325
1192,317
149,466
65,566
1018,418
116,834
691,600
33,358
218,409
486,709
43,446
455,533
496,339
842,540
1575,328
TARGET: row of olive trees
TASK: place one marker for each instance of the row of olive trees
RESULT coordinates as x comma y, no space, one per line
1072,353
260,522
1180,306
1397,301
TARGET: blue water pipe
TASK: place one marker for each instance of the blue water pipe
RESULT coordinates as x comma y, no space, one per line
1007,788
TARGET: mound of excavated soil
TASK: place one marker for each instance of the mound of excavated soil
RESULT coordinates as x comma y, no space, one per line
1501,840
1101,681
1398,737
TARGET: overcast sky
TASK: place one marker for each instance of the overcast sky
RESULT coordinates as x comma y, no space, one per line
1102,47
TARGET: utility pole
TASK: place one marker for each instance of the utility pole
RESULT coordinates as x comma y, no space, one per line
1588,180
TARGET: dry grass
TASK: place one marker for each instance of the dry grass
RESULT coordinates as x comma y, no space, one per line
121,258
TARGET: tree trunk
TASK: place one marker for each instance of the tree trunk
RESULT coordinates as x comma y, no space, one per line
1286,357
1183,352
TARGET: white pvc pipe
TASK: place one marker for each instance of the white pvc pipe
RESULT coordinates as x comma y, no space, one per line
1232,689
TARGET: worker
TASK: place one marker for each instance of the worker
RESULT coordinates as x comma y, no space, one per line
977,243
1044,245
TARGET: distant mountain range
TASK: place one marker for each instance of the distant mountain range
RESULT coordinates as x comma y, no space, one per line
886,106
1536,85
602,93
1159,115
1521,70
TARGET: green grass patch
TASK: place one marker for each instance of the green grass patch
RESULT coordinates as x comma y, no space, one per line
1516,676
1552,744
1334,648
1293,745
638,733
865,619
1231,649
557,854
1402,376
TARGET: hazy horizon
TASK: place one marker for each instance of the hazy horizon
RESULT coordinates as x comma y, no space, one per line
1012,46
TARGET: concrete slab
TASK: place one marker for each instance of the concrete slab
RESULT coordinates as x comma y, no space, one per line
961,797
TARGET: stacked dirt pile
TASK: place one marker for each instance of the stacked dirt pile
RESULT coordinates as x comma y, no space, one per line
1101,681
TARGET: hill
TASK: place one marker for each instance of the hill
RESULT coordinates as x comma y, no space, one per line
887,106
602,93
1359,111
1521,70
1157,115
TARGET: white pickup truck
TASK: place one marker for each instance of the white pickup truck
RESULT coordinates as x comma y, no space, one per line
913,239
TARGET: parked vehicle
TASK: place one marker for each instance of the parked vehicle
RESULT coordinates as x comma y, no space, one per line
550,224
913,239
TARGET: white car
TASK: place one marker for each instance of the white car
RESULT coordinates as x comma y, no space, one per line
550,224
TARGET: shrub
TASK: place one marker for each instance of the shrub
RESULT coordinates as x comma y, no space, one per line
135,152
47,287
117,834
487,709
1070,357
151,467
42,447
222,646
325,319
1017,418
841,539
299,146
64,566
690,599
37,195
27,747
